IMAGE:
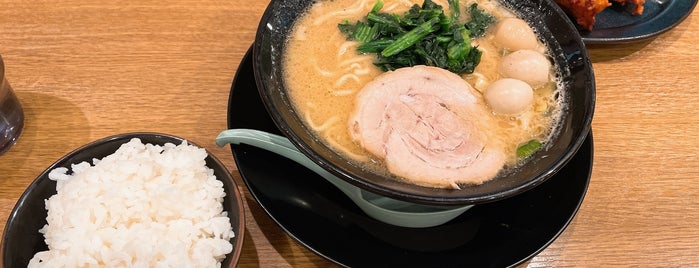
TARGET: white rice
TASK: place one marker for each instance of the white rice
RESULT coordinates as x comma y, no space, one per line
143,206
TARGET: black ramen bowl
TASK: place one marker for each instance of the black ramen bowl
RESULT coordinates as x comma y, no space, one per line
555,30
21,238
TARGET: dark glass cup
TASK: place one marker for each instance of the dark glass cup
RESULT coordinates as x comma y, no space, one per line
11,113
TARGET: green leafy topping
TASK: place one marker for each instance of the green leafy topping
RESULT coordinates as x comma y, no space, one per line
424,35
480,21
528,148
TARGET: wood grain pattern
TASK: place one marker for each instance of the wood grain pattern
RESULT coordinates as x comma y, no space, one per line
89,69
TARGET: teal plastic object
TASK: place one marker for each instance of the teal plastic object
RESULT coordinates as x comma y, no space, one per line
385,209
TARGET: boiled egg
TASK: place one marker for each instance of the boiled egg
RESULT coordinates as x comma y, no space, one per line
515,34
509,96
527,65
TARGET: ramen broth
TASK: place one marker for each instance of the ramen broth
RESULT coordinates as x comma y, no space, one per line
323,73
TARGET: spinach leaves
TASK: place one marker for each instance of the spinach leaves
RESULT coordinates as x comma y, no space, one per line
424,35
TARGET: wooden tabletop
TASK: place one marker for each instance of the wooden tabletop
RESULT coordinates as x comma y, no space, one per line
84,70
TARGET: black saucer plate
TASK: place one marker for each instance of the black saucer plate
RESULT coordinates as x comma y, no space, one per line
319,216
617,25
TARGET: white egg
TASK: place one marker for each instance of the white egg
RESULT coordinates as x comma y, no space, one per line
515,34
509,96
527,65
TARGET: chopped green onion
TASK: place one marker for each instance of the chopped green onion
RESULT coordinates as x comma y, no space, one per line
528,148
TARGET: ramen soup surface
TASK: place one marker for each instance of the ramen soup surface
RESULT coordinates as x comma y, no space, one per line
324,75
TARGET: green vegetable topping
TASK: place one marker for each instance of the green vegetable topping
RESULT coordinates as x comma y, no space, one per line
479,21
528,148
423,35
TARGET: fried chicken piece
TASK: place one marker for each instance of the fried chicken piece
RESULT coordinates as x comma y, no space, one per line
638,4
584,11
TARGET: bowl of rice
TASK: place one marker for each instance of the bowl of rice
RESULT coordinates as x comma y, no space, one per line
129,200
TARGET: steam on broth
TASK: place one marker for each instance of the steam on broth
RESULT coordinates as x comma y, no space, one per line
324,74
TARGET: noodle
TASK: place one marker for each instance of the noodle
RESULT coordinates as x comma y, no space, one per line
344,79
341,13
320,70
340,93
323,126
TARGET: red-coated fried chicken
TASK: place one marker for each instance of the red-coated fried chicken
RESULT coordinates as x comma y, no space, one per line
584,11
638,5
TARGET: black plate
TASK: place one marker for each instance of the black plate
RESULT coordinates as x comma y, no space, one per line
616,25
319,216
21,238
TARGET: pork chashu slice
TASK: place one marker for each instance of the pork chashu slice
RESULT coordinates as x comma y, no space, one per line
429,126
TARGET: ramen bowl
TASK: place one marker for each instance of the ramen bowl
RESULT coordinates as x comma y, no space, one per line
21,239
567,52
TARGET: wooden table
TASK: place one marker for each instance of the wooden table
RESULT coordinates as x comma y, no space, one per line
89,69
